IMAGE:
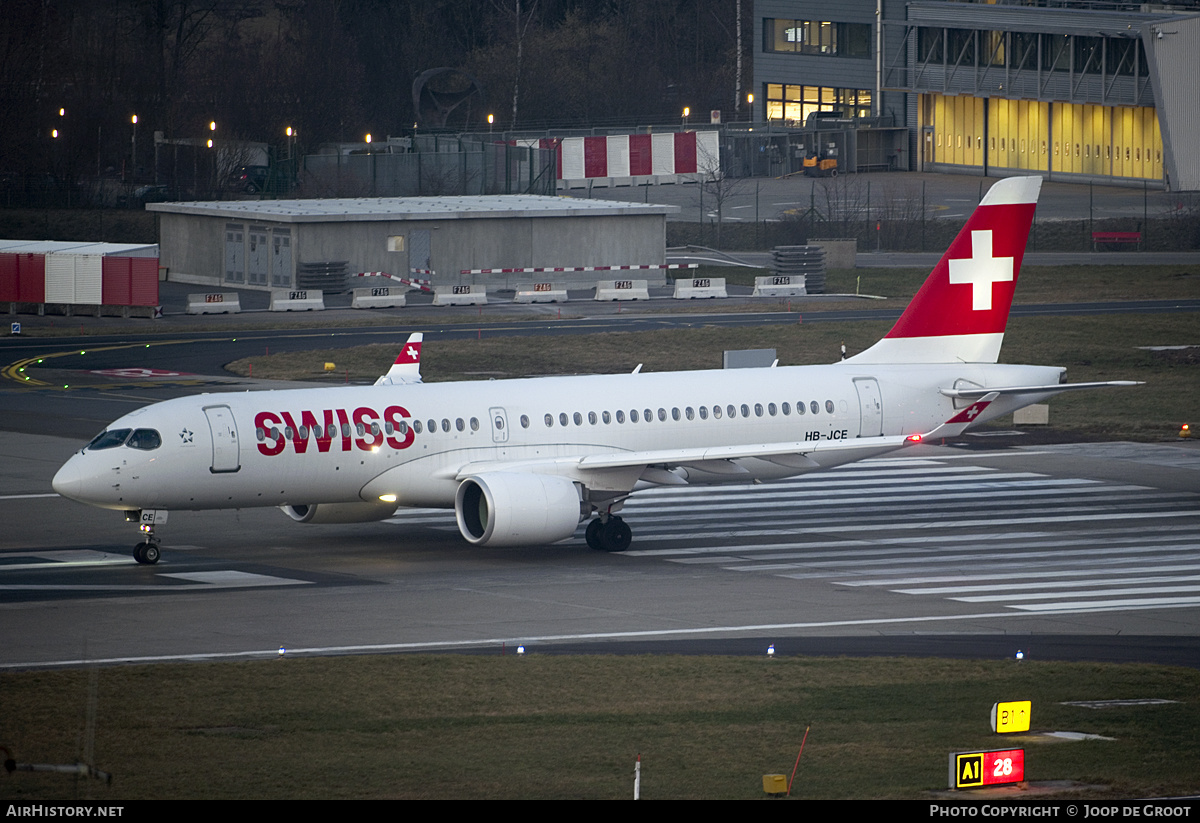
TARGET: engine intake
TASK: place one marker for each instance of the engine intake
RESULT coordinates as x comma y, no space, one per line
515,509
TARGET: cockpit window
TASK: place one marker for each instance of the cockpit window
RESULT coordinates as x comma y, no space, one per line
109,439
145,439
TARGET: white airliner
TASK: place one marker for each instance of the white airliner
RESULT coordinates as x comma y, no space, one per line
525,461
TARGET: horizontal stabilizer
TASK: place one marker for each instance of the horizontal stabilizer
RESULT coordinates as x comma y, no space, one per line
1057,388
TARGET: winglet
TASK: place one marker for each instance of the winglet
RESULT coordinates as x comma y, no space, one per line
407,368
963,419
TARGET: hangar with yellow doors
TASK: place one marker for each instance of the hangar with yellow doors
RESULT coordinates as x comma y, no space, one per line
1104,92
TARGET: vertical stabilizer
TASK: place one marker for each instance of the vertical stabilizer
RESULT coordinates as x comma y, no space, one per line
959,314
407,368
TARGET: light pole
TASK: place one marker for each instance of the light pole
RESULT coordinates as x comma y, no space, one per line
686,113
133,150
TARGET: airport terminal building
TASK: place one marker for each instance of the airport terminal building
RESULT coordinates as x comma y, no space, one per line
1103,91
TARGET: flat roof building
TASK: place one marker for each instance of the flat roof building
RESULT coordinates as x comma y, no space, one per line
268,244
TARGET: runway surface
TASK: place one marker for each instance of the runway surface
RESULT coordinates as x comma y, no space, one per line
1089,550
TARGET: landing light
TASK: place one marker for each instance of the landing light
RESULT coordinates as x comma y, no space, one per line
388,498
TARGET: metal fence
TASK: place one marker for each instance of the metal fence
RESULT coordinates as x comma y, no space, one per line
452,167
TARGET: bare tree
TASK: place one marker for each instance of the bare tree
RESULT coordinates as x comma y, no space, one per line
715,184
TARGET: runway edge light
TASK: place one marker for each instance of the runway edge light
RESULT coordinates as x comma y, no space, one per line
1185,430
1011,717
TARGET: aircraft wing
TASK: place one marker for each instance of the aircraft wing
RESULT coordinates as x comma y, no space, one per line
712,460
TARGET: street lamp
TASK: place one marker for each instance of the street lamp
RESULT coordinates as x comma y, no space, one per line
750,103
133,149
491,120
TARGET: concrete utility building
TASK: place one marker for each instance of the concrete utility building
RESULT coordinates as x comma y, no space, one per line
1103,91
274,243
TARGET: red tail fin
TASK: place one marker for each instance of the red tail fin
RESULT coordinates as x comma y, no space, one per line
960,312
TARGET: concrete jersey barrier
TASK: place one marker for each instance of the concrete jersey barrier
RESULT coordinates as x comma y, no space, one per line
541,293
379,297
297,300
622,290
214,303
780,285
473,295
691,288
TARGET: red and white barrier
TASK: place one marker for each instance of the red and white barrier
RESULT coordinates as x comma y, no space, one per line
581,268
629,158
412,282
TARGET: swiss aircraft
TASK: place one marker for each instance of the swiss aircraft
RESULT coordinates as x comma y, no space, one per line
524,462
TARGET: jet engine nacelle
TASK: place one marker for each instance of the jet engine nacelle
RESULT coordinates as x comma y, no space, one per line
514,509
340,512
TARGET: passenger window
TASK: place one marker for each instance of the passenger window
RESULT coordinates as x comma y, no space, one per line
662,415
633,416
549,421
524,421
731,412
290,434
578,418
648,416
445,424
716,412
592,418
758,410
787,408
562,419
606,417
620,416
260,434
402,428
432,426
814,407
417,426
704,412
688,413
829,406
800,407
771,409
474,424
459,424
745,410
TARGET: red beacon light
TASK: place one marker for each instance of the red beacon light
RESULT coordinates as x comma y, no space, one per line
914,438
1185,431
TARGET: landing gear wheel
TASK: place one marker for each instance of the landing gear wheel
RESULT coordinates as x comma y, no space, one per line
592,534
615,536
146,553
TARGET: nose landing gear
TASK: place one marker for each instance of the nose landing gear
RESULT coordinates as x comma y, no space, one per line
147,552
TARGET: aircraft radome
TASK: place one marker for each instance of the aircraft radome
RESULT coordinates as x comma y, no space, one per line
523,462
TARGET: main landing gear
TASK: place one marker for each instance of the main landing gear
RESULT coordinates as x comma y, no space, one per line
608,533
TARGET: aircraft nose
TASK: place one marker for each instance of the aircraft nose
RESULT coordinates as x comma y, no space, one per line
69,480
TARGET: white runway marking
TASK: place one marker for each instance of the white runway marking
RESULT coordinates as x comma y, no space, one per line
964,534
